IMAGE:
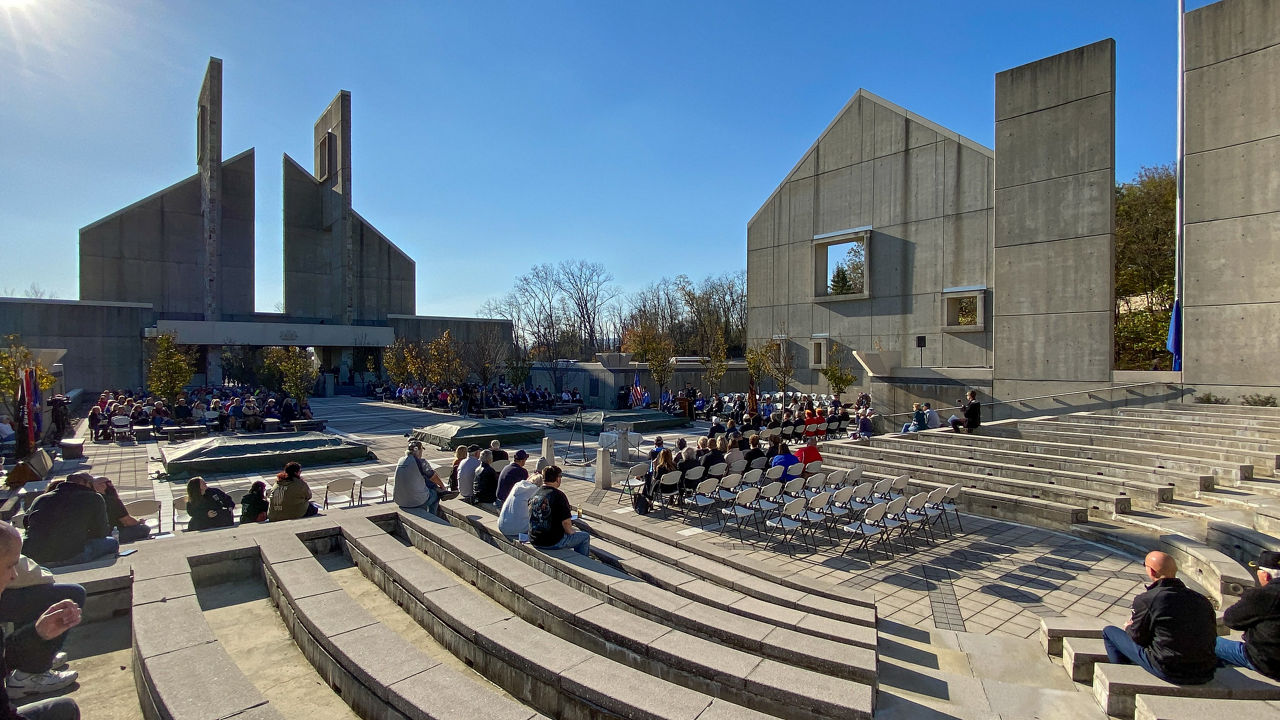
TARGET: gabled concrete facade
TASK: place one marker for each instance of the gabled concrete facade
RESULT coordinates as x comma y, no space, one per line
921,195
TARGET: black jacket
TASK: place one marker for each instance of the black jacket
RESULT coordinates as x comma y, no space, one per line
1258,615
486,485
215,501
1178,629
61,521
972,414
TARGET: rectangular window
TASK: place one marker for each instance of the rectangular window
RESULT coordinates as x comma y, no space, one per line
818,353
326,157
963,310
841,265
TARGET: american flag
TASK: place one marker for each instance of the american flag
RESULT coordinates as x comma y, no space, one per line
637,392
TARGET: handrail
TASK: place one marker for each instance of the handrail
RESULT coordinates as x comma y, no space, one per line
1054,395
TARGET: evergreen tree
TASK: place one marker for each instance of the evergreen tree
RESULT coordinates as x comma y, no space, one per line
840,282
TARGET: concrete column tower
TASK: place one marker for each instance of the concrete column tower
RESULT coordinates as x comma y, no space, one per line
209,161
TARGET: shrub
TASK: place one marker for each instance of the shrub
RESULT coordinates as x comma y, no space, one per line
1210,399
1259,400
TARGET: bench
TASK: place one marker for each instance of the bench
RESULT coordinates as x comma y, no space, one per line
491,413
172,432
1054,630
1079,655
309,425
1163,707
1115,687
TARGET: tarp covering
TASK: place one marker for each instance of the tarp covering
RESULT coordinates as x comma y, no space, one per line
454,433
597,421
268,451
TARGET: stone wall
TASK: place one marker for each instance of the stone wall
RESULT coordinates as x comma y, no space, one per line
103,340
922,193
1054,221
1232,208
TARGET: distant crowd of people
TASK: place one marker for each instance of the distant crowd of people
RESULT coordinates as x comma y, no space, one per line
471,397
223,409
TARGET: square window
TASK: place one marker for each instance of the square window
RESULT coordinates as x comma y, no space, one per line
841,266
818,348
963,310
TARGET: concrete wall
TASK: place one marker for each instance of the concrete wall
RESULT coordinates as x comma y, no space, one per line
154,251
1054,222
1232,208
926,194
103,340
463,330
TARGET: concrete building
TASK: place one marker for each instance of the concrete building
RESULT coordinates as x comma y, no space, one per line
995,269
181,261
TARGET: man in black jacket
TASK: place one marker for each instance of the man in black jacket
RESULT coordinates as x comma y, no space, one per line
1172,632
972,410
1257,613
36,641
68,525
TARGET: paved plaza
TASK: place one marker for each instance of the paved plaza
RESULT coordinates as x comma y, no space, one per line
991,577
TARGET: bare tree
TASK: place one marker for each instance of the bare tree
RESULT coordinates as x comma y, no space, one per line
36,292
486,354
587,287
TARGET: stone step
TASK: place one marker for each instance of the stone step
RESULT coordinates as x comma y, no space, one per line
1213,425
1192,413
1142,493
1079,655
1090,470
1115,687
1151,459
1102,504
1241,454
1054,631
1246,410
592,624
1228,432
1164,707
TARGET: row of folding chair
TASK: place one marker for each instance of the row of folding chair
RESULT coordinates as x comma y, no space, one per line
352,491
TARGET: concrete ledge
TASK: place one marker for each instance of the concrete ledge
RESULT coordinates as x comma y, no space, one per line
532,664
376,671
716,659
1158,707
1237,462
1115,687
1079,655
1054,629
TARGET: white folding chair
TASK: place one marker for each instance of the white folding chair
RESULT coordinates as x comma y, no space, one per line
853,477
838,509
789,521
752,477
144,509
693,476
775,473
815,514
949,501
341,490
120,428
179,513
894,520
704,497
915,515
741,510
865,529
814,484
899,486
718,470
634,482
811,468
793,489
759,463
374,486
669,488
933,508
738,466
835,479
881,489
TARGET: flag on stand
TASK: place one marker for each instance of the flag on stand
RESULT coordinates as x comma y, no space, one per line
1174,342
637,392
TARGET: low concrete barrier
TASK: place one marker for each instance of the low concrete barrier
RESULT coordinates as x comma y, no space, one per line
1158,707
1115,687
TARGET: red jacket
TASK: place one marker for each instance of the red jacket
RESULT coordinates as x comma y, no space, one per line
808,454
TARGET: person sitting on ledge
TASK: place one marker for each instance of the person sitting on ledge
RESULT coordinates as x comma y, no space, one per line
972,411
252,415
254,506
417,484
36,643
1257,613
68,525
551,519
182,412
129,527
208,507
291,497
1172,632
513,519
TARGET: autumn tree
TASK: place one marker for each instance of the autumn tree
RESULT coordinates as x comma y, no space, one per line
298,372
169,367
396,360
443,364
781,363
652,345
486,355
1146,226
839,378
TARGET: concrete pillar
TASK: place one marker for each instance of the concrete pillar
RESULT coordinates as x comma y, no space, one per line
604,470
209,161
213,365
549,450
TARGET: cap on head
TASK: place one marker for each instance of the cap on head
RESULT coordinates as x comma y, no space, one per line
473,448
521,455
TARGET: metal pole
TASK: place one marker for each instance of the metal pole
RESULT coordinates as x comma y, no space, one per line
1181,175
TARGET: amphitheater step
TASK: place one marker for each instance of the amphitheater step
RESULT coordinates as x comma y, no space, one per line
610,634
245,621
1079,655
1115,687
1162,707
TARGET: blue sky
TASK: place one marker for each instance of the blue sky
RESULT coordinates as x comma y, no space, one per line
489,136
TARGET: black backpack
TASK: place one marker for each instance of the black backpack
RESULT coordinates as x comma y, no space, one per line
641,503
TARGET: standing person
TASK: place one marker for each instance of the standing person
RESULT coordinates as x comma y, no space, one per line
1257,613
512,475
416,487
972,411
1173,631
36,642
129,527
68,525
291,497
208,507
551,518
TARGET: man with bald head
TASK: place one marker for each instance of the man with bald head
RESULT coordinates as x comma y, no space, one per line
1173,629
35,640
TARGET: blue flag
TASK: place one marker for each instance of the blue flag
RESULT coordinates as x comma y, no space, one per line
1174,343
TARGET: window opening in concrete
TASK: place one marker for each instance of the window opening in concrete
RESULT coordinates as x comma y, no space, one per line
818,353
327,153
963,310
841,266
202,133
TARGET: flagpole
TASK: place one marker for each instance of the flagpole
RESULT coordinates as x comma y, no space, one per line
1178,252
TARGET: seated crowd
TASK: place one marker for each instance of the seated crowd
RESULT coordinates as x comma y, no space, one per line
471,397
221,409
